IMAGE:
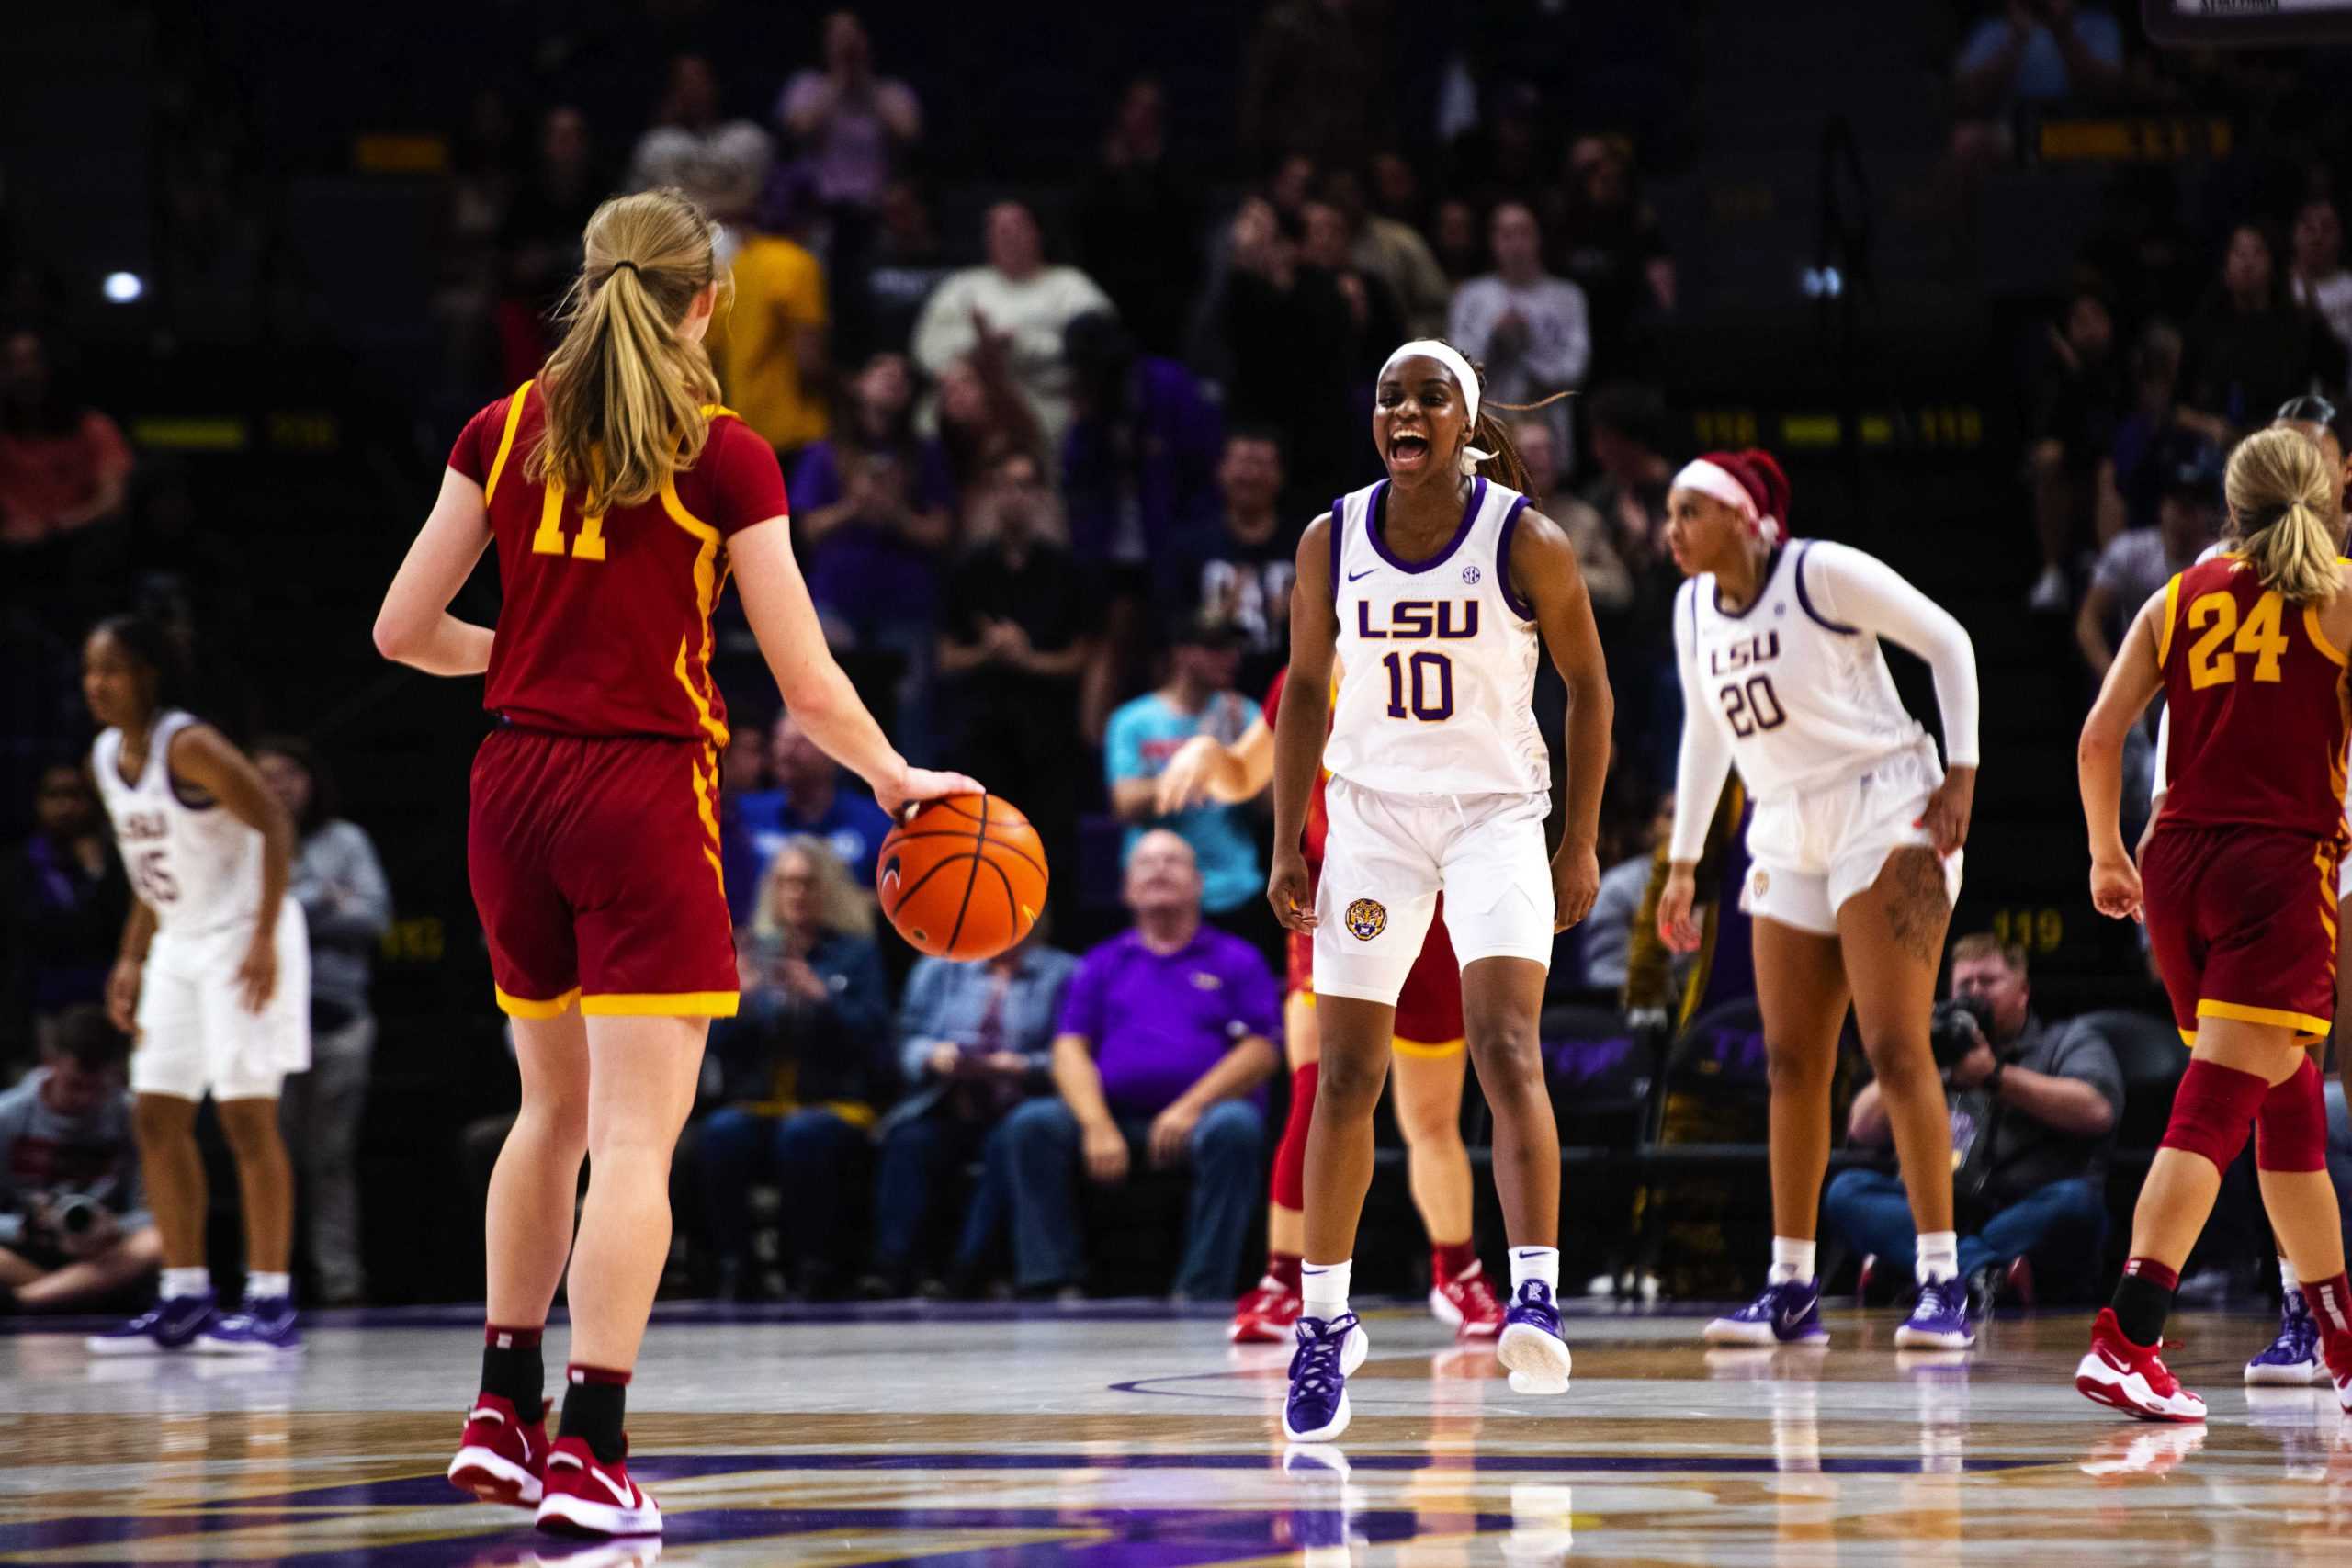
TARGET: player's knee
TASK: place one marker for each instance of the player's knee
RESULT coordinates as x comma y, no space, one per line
1903,1065
1793,1069
160,1117
1347,1083
1431,1123
2213,1110
1506,1051
2290,1128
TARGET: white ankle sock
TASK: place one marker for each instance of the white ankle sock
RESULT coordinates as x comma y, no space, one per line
180,1283
1538,1263
2286,1280
1792,1261
261,1287
1938,1256
1323,1288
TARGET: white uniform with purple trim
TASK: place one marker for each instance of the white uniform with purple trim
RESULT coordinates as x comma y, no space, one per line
199,870
1795,691
1439,779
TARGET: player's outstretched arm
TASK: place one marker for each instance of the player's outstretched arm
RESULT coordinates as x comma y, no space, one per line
1544,571
2132,682
1304,718
202,756
414,628
775,601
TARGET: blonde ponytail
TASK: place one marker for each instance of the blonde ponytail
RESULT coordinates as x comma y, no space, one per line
2280,498
623,391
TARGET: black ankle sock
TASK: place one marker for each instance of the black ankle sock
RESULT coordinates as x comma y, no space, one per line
594,1411
511,1368
2141,1307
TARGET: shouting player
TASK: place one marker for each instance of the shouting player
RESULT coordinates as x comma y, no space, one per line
1430,590
2239,894
1855,848
214,981
619,497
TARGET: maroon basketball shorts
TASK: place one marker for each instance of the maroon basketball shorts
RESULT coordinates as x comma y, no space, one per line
2243,922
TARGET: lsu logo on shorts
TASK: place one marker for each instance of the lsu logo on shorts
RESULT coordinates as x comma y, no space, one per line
1367,919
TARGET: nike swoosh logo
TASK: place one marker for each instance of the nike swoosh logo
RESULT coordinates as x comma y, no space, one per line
623,1498
1366,572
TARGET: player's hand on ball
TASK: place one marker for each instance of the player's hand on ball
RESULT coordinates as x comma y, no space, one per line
258,975
1946,819
1575,883
2115,889
1106,1154
1287,890
922,784
122,996
1676,925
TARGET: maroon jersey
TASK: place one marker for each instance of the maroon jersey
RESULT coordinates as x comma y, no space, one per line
2257,701
606,626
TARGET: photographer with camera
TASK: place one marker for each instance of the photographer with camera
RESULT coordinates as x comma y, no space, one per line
2033,1114
73,1227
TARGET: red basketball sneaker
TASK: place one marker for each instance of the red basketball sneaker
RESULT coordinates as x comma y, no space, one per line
2132,1378
587,1498
1266,1316
502,1457
1466,1304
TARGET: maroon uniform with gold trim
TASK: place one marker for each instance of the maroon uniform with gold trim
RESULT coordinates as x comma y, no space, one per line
2240,877
1429,1010
594,840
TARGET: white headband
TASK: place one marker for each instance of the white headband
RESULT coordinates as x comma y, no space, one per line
1445,353
1715,480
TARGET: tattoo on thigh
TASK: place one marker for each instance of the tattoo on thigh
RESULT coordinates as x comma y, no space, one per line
1918,907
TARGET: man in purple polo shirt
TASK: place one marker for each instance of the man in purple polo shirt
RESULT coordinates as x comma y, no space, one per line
1167,1036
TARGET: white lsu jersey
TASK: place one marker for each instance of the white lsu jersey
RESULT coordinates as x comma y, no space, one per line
1800,697
195,866
1437,658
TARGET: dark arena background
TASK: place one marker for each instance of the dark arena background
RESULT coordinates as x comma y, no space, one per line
1065,319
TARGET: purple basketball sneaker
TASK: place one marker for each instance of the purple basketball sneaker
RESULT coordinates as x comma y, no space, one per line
264,1327
1317,1410
1786,1313
1940,1320
170,1325
2294,1357
1531,1345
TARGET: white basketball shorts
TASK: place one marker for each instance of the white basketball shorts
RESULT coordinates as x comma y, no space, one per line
196,1034
1386,858
1815,849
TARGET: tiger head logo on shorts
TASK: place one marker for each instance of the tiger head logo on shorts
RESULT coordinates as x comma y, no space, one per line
1367,919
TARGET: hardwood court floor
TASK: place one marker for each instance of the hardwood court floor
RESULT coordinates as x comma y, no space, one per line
1116,1434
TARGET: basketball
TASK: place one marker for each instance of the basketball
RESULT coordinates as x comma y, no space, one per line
963,878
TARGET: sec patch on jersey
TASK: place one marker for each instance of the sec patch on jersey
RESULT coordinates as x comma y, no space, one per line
1367,919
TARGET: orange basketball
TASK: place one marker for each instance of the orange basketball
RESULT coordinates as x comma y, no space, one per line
964,879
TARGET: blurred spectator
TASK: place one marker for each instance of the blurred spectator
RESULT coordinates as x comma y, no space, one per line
187,574
2038,55
1296,349
348,905
852,126
1376,322
1016,300
1456,241
725,162
1198,699
73,1229
2251,348
1629,440
742,771
2149,431
66,900
1606,579
1608,932
1531,329
1394,253
803,1068
1015,634
2319,281
2033,1113
768,346
1240,575
982,415
2135,566
63,466
484,176
907,265
1397,191
1339,47
1509,156
875,526
1139,466
1608,244
805,800
1140,222
2077,400
539,244
975,1040
1167,1033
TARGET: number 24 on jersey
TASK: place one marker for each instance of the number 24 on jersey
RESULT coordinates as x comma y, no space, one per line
2260,636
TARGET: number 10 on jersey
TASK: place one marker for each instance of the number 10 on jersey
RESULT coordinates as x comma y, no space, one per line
1430,677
